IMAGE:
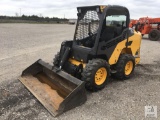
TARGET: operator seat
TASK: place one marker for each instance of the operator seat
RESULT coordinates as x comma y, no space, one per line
108,33
118,30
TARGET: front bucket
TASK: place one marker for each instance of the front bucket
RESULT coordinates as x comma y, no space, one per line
57,91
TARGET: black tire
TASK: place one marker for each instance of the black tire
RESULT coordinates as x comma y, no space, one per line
154,35
120,67
89,74
56,59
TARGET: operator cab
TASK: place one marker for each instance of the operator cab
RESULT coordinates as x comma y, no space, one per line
96,25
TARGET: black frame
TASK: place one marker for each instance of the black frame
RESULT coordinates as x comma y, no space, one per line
99,50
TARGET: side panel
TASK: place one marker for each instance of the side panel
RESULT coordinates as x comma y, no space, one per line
133,47
107,47
117,51
146,29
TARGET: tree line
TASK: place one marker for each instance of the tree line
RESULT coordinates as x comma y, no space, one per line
34,18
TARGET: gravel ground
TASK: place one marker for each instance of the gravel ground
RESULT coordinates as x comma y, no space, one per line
23,44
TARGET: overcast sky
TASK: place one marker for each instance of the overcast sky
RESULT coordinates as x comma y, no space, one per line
67,8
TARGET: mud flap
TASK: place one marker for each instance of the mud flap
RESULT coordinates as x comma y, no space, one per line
57,91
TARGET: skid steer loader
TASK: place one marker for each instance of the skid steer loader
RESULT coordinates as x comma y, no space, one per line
103,45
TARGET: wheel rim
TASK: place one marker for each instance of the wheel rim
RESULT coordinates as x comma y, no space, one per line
128,67
100,76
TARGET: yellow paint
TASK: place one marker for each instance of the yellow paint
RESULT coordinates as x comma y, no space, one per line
137,60
102,8
77,63
132,49
135,47
116,53
128,67
100,76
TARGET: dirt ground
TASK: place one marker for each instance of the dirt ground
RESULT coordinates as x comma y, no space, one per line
23,44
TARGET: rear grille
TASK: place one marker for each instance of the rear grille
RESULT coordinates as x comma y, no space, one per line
83,25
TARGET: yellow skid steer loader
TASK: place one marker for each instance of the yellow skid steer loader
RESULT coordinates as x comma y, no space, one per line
102,45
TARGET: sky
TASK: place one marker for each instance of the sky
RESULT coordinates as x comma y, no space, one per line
67,8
